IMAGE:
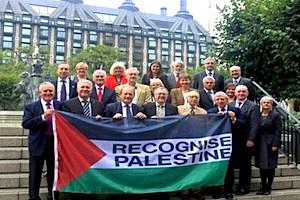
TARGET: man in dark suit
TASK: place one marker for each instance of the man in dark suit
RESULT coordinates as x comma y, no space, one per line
38,119
65,88
124,108
207,93
177,68
100,92
209,65
247,133
222,108
83,104
237,79
160,108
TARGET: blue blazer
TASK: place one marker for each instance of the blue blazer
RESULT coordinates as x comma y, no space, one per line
109,96
32,120
73,86
113,108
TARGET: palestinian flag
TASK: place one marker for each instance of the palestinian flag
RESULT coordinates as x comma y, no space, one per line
140,156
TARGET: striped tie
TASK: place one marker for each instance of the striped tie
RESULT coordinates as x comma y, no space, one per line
86,108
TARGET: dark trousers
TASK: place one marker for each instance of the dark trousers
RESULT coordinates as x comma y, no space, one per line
245,169
229,177
36,164
267,177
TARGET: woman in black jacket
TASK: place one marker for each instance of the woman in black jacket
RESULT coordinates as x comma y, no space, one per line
267,144
155,71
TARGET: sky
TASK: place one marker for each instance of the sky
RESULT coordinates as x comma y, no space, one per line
203,11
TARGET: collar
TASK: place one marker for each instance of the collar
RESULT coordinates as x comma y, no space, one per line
157,104
59,79
43,102
208,91
212,72
236,79
81,100
97,87
123,104
226,108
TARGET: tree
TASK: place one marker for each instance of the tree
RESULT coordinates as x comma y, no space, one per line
262,36
98,56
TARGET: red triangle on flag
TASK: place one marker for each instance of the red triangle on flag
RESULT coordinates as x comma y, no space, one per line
76,153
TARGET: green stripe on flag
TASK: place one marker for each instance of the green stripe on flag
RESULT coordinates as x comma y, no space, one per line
136,181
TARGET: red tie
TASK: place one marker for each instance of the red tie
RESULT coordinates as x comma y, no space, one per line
49,120
99,94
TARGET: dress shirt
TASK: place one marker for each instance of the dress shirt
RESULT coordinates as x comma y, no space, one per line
59,84
160,110
82,102
223,110
124,109
239,104
43,102
236,81
209,73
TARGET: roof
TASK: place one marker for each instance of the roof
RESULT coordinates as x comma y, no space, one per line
127,14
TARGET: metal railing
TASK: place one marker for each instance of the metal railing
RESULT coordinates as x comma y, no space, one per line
290,135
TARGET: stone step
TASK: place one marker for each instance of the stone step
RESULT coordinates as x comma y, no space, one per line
12,130
19,194
13,153
13,141
10,116
22,194
19,180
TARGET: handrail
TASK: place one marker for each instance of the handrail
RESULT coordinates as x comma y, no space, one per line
275,101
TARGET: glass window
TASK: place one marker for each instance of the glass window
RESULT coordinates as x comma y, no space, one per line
178,45
26,18
25,40
93,36
44,31
8,15
59,59
191,46
8,27
77,36
26,31
60,49
61,33
152,42
7,44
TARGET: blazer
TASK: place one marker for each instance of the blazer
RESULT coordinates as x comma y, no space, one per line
247,82
111,81
219,81
109,96
150,109
177,96
32,120
113,108
205,101
185,110
172,81
249,127
142,94
72,86
74,106
164,79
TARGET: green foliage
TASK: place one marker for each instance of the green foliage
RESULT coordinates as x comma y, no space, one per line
263,36
9,78
96,56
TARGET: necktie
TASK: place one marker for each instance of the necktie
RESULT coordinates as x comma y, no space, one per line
86,108
211,95
128,111
239,104
49,120
100,94
177,79
235,82
63,92
192,112
209,73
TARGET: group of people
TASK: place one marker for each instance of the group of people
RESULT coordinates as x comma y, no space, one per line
119,95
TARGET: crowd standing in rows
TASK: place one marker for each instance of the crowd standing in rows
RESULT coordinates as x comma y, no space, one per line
119,95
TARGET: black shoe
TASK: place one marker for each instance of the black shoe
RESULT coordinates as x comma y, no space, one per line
228,195
263,192
242,191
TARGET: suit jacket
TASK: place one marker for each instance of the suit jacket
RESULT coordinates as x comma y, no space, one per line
142,94
205,101
177,96
150,109
219,81
185,110
72,89
247,82
249,127
172,81
109,95
32,120
74,106
113,108
164,79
